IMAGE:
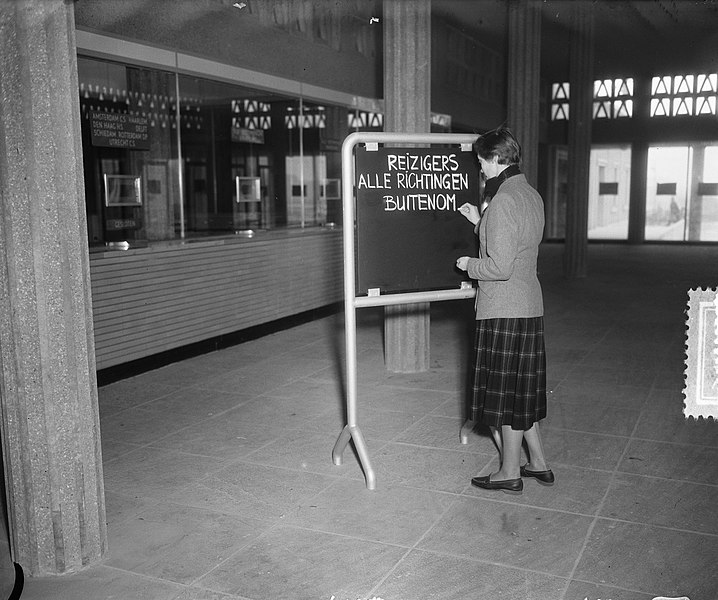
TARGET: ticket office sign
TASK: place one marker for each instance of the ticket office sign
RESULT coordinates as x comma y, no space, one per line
115,130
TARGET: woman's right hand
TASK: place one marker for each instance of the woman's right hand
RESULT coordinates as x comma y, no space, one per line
470,211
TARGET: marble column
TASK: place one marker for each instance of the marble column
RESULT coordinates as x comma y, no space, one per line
48,390
524,81
407,98
579,140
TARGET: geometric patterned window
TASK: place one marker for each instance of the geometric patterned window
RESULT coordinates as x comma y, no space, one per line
612,98
684,95
362,119
310,117
559,101
251,114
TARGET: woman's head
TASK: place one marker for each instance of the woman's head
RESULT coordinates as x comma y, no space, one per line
501,143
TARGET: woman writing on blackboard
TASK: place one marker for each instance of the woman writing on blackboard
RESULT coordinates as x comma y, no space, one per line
509,389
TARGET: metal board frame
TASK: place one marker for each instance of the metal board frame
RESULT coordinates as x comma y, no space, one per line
351,430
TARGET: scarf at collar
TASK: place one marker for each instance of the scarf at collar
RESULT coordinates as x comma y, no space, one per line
493,184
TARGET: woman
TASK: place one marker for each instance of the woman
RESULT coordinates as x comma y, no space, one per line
509,391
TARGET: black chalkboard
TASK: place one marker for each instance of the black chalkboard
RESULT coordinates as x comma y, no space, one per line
409,230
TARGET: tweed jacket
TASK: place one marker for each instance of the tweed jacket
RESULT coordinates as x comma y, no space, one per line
510,231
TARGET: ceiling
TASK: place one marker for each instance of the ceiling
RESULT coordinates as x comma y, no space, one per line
630,35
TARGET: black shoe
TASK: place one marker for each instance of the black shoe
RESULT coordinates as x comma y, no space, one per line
543,477
508,486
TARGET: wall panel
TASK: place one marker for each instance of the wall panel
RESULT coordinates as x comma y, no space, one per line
149,300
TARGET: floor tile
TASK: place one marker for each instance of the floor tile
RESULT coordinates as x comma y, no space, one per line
228,437
510,534
158,418
391,514
122,507
266,375
132,392
440,380
311,389
154,473
272,413
397,399
673,461
194,592
669,503
197,403
242,488
435,431
582,449
427,468
306,451
427,576
581,590
304,565
592,418
177,543
113,448
623,396
383,424
663,419
455,406
611,375
650,559
99,583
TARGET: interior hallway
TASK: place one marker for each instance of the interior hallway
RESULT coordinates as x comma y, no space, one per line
220,483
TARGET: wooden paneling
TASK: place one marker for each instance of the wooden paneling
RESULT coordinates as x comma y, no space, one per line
149,300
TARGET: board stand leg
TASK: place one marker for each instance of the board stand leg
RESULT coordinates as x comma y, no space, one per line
354,433
466,429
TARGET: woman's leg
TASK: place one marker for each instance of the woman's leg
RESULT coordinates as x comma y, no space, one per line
496,434
510,455
537,459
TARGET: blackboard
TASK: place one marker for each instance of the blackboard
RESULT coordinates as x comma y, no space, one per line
409,230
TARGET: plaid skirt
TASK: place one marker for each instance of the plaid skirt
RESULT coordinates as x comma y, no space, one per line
509,385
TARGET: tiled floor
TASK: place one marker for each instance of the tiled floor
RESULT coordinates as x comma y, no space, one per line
220,483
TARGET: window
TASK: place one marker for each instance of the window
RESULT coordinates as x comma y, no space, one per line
612,99
684,95
206,157
682,193
609,192
559,101
129,133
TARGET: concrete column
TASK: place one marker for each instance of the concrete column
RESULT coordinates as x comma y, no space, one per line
48,389
579,140
637,202
639,162
694,205
407,98
524,81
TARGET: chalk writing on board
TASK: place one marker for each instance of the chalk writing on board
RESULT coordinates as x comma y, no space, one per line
436,172
409,231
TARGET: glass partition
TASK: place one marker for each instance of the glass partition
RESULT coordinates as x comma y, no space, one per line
128,135
224,159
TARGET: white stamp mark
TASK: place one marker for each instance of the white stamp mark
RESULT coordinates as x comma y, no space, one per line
701,375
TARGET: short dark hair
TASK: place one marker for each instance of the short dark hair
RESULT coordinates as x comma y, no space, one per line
499,142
